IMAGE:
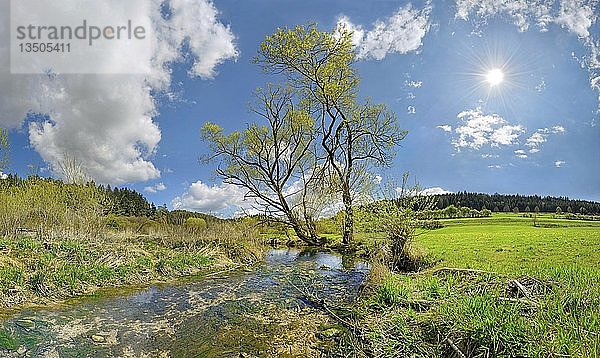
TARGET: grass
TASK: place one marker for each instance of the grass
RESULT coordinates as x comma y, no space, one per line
35,270
559,265
515,249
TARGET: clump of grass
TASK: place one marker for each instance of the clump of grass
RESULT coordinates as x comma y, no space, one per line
7,341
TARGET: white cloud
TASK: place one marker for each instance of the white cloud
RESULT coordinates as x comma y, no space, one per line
541,86
106,122
3,176
557,130
535,141
414,84
210,41
559,163
434,191
155,188
506,135
522,12
520,153
478,129
577,16
411,110
495,166
401,33
445,128
210,199
489,155
592,63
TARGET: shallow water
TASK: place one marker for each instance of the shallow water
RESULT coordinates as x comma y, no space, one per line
259,313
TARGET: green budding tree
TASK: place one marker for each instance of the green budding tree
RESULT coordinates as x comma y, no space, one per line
319,137
354,135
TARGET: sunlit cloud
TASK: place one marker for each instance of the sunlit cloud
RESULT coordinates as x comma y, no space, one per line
477,129
434,191
155,188
401,33
537,139
520,153
577,16
413,84
107,122
201,197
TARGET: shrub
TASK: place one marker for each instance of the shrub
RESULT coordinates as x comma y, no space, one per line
195,224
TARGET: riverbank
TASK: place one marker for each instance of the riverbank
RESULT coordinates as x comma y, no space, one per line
262,311
36,271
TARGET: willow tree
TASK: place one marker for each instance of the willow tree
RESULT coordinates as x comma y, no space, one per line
354,135
274,163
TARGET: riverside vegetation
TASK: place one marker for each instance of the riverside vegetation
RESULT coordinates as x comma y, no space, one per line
60,240
447,277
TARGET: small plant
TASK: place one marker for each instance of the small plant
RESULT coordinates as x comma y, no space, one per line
399,218
195,224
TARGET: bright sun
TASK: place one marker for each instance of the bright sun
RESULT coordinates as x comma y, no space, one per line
494,77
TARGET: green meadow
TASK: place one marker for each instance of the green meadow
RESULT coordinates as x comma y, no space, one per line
510,244
496,286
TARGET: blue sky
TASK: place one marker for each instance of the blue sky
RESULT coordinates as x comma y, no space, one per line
536,132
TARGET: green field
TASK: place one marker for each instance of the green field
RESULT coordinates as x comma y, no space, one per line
486,313
511,244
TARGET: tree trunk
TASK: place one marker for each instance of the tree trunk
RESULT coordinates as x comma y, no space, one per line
309,236
312,231
348,230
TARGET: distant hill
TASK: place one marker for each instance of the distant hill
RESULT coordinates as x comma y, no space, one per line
508,203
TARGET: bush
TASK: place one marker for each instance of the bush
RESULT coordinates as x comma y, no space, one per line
195,224
51,209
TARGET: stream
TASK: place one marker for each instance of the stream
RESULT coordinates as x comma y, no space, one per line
244,313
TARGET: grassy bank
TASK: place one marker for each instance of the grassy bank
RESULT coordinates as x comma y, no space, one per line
61,240
526,291
34,270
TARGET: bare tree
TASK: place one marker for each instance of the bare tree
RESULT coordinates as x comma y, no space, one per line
71,170
274,163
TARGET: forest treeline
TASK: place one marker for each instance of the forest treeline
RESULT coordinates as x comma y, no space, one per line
116,201
128,202
516,202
